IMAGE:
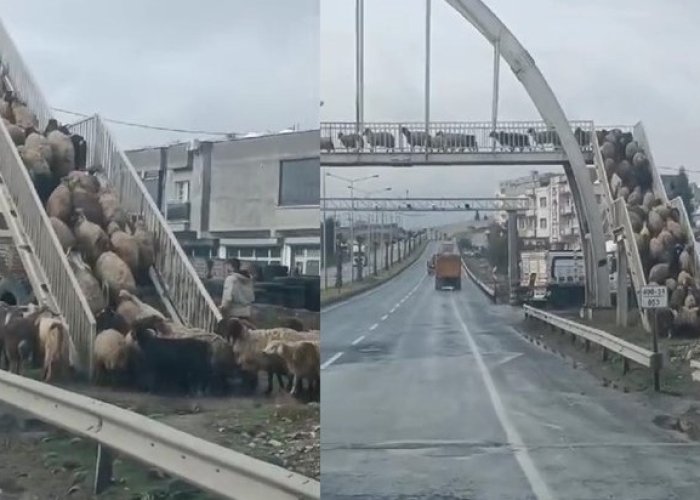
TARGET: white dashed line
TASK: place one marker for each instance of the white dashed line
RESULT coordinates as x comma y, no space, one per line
373,326
522,456
332,360
394,308
384,317
358,340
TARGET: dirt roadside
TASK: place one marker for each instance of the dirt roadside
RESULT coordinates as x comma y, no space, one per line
41,462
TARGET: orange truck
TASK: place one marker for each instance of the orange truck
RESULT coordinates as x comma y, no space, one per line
448,271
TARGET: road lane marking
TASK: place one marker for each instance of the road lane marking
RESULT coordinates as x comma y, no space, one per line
358,340
394,309
333,359
384,317
539,487
373,326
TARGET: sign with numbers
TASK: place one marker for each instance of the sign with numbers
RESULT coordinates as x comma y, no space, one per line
653,297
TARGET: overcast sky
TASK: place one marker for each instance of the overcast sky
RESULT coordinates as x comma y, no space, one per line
233,65
611,62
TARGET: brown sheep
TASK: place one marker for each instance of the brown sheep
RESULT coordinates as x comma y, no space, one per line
53,344
109,201
60,202
125,246
92,240
16,133
146,245
38,142
62,153
88,202
88,283
18,331
303,361
112,356
63,232
114,274
84,180
249,346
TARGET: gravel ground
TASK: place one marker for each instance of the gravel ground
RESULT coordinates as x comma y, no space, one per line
41,462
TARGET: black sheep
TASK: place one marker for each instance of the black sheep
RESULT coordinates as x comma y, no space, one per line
166,363
511,140
111,319
80,147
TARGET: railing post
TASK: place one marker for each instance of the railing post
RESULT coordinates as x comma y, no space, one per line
103,469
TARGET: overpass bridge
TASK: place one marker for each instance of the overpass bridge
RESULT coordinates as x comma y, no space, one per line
425,204
406,144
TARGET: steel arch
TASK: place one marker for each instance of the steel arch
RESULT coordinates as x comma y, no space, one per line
524,68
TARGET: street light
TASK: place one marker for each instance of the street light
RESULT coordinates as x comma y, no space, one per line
371,221
351,186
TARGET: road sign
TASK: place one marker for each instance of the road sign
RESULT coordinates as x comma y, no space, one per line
653,297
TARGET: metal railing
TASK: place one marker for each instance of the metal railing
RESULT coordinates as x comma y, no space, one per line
634,261
448,137
424,204
609,343
488,290
22,78
35,224
181,283
212,467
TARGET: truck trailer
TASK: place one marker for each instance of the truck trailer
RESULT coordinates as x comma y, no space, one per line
448,271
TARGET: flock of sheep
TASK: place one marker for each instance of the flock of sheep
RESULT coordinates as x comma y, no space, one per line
451,142
111,252
138,348
666,249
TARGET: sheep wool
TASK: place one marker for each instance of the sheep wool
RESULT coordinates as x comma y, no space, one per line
113,272
62,153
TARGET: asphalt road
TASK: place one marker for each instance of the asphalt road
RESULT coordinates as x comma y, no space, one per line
431,394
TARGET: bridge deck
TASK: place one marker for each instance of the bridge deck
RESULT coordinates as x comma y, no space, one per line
447,143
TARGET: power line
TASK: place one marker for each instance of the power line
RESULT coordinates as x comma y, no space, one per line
151,127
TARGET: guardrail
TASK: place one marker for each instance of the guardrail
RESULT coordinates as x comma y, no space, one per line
183,287
488,290
609,343
211,467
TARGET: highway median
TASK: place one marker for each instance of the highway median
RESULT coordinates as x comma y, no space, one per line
334,295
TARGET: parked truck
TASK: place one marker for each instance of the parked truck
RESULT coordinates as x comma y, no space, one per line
557,277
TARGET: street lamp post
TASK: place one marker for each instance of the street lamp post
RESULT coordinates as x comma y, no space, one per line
351,186
371,220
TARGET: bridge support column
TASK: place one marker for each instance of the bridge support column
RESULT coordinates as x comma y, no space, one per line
512,256
622,306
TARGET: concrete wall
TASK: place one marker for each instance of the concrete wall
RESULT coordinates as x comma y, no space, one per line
245,184
235,184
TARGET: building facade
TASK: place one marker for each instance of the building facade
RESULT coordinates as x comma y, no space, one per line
552,215
256,198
